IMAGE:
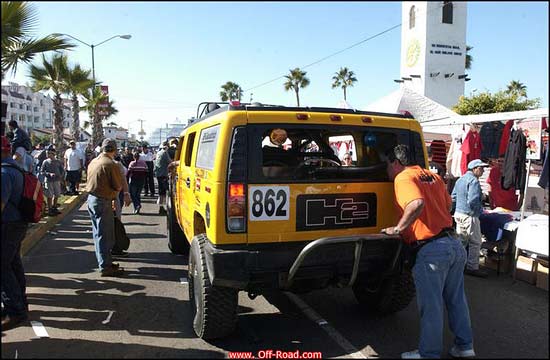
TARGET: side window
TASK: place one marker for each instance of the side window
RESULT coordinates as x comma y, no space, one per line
206,154
447,17
179,148
189,149
418,150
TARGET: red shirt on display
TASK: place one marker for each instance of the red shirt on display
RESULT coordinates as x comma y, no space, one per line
497,195
505,137
471,149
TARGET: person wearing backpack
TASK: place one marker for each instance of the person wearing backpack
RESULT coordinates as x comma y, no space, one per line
14,229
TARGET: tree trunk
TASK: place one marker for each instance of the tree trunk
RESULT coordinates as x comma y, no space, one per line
297,98
76,119
345,99
58,124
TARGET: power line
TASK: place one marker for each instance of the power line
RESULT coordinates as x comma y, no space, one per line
417,12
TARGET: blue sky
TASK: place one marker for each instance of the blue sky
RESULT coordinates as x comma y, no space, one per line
181,53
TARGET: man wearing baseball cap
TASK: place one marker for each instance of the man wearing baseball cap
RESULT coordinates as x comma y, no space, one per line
104,182
14,228
467,199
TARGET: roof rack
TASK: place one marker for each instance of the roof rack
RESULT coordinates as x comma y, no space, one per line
208,107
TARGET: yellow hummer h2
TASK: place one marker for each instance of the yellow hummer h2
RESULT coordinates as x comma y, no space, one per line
261,200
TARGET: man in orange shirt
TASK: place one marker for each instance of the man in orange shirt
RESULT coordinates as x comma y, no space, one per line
425,223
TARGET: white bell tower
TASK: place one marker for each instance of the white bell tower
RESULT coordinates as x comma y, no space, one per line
433,49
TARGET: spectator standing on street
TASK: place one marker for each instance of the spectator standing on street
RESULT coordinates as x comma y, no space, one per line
103,185
137,172
425,224
52,171
148,157
468,199
123,198
161,172
20,137
172,149
14,298
74,161
127,157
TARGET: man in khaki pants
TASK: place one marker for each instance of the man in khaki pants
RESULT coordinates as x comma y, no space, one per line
468,199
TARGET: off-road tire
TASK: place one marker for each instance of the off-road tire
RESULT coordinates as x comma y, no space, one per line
214,307
393,295
177,242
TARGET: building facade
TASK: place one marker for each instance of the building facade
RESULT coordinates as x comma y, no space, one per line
433,49
30,109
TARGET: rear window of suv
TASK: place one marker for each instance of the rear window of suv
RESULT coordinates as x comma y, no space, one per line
320,153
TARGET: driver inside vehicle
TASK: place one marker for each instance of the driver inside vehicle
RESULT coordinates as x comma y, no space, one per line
274,154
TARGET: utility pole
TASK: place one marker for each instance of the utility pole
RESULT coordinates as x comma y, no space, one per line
141,132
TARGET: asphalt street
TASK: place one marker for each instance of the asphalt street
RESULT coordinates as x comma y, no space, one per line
146,313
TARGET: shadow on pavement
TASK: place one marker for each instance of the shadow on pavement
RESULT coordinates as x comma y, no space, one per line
74,349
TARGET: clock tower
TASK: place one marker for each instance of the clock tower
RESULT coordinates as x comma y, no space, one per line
433,49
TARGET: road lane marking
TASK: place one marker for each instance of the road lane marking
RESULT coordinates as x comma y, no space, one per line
39,329
106,321
351,350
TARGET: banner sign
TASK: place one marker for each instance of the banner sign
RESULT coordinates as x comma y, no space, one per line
532,131
104,104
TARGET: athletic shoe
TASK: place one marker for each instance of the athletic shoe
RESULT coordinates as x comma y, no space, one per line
477,273
112,271
411,355
456,353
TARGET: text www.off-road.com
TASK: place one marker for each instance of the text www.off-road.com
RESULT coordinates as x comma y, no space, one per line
276,354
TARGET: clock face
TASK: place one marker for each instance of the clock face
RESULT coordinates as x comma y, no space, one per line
413,52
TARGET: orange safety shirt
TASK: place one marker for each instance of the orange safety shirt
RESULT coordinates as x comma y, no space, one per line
418,183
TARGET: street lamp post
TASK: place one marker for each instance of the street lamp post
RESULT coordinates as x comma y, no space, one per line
92,46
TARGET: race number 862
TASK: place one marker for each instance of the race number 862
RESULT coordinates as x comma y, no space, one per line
268,203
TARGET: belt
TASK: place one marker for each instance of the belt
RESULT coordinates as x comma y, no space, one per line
443,233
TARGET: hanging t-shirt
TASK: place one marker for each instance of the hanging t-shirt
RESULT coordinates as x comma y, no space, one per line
454,156
471,149
500,197
490,134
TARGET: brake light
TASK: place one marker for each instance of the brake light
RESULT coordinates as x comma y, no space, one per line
336,117
236,207
235,103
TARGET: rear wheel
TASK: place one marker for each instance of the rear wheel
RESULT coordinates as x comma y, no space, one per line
177,242
392,296
214,307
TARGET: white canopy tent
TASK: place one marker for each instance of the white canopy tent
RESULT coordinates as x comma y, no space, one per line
405,99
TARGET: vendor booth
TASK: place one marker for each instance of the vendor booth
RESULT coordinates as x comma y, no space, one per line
515,144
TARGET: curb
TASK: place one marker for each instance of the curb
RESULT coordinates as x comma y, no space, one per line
36,234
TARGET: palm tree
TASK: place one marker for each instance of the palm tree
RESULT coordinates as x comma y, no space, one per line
94,97
343,79
19,19
231,91
295,80
49,76
516,87
469,59
78,82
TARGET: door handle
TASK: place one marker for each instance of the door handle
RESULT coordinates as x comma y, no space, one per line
188,182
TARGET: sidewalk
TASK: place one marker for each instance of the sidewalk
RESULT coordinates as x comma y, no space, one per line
37,231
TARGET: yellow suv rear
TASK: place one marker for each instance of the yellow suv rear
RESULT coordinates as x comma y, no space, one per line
261,199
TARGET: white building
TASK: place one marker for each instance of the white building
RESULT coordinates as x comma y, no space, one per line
433,49
30,109
120,134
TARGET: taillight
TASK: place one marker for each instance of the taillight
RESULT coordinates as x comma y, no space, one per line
236,182
236,207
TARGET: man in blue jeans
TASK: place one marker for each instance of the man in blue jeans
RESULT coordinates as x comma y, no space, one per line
13,232
425,224
104,182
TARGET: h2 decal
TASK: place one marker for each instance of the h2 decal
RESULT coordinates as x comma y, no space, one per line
322,212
